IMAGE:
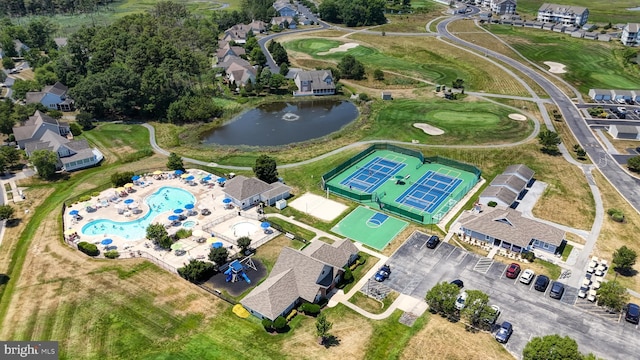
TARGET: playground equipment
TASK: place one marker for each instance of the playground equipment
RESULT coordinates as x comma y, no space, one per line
236,270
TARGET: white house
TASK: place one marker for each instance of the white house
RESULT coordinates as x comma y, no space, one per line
630,34
563,14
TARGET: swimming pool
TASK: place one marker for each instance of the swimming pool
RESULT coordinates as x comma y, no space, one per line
188,224
164,200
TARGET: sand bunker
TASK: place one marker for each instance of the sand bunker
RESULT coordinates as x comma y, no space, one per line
555,67
341,48
428,129
517,117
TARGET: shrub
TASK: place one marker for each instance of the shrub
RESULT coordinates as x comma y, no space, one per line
492,204
363,97
280,323
616,214
529,256
292,314
267,324
88,248
310,309
183,233
112,254
84,198
347,277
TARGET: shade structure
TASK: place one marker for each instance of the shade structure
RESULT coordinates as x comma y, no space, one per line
176,246
227,201
221,180
184,176
188,206
157,172
207,178
106,241
190,178
211,240
265,225
134,205
128,185
121,188
216,245
70,231
128,201
74,212
135,177
198,233
173,217
178,211
178,172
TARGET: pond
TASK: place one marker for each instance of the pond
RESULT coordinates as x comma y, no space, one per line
283,123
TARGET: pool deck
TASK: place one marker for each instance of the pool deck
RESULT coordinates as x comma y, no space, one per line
206,196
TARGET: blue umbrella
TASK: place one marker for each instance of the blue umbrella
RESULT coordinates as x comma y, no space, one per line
135,177
178,211
178,172
106,241
173,217
226,201
188,206
265,225
73,212
190,178
221,180
129,201
207,178
216,245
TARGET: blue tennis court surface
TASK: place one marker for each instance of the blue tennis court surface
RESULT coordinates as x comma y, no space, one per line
378,218
429,191
373,174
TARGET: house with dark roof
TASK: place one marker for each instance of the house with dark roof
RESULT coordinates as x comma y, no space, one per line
317,82
246,192
299,276
508,229
52,97
42,132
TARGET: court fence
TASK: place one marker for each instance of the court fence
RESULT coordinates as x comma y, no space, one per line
454,164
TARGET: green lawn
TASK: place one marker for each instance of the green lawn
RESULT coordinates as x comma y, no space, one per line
590,64
463,122
614,11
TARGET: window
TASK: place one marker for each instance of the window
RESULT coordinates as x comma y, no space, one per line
545,245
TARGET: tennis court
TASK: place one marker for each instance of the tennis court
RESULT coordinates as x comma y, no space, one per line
429,191
369,177
370,227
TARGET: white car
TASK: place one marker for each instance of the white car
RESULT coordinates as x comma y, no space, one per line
461,300
527,276
582,293
621,101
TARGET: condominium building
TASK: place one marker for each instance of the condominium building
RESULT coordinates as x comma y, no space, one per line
630,34
563,14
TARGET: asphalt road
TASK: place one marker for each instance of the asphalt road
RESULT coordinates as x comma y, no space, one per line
627,185
415,269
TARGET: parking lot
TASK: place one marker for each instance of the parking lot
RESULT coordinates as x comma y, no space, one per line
416,268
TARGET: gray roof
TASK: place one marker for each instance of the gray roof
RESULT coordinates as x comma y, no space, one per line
509,225
336,254
274,295
33,97
277,189
626,129
242,187
562,9
58,89
502,193
317,78
513,181
633,27
521,170
28,129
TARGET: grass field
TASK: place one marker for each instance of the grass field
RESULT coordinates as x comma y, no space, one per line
614,11
590,64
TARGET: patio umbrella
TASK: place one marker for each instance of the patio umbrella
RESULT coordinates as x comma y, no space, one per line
198,233
128,185
157,172
173,217
128,201
188,206
106,241
265,225
227,201
221,180
211,240
135,177
133,205
178,172
88,205
207,178
184,176
69,231
216,245
176,246
74,212
178,211
190,178
120,189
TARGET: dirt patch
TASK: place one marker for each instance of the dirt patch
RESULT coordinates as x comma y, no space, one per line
518,117
428,129
341,48
555,68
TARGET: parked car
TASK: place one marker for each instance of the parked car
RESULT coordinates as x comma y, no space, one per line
513,271
180,252
461,300
541,283
458,283
557,289
527,276
621,101
490,320
383,273
433,242
582,293
503,335
632,313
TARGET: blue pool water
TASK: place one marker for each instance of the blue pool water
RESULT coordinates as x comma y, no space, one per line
165,200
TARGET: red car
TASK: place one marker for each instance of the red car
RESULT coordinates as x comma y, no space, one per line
513,271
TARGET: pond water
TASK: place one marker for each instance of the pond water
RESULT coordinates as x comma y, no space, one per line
284,123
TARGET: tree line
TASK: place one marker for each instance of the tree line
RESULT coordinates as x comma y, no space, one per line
14,8
353,12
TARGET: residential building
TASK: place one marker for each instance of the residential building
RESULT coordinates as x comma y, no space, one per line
508,229
285,8
563,14
502,196
284,22
630,34
503,7
299,276
42,132
508,187
52,97
258,26
522,171
317,82
226,49
237,33
246,192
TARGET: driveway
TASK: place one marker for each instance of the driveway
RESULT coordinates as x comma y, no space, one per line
415,269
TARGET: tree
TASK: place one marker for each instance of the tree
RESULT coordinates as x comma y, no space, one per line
378,74
266,169
551,347
219,255
6,212
158,234
120,178
8,63
612,295
284,69
45,162
280,323
457,84
581,153
549,141
351,68
323,326
174,162
442,297
477,307
75,128
22,87
634,164
624,259
11,155
85,120
196,271
244,243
